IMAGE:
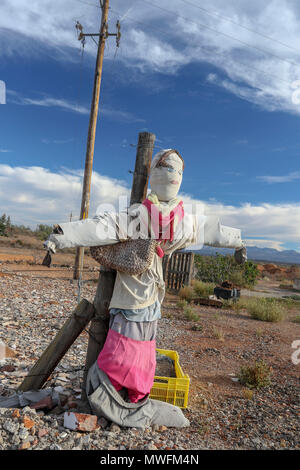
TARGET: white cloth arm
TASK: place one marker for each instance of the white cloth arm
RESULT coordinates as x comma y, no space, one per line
221,236
210,232
101,230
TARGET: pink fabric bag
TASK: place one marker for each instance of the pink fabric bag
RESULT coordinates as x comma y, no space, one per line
129,363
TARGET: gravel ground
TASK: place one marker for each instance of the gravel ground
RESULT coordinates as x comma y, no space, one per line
33,309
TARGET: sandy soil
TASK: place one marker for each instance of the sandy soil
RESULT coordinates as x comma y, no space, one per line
212,351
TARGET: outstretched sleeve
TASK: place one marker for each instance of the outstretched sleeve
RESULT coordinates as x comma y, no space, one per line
200,230
218,235
104,229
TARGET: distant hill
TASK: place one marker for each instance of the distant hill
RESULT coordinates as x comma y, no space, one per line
258,254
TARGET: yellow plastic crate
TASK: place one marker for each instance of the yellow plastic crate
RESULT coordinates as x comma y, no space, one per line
170,389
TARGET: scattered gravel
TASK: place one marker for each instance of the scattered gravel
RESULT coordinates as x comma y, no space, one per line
32,310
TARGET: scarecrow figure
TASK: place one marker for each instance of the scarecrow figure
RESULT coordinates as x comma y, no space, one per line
119,382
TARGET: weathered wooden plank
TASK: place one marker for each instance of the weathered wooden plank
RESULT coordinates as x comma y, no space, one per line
209,302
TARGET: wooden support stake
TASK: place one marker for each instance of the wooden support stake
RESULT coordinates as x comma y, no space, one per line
142,167
58,347
100,323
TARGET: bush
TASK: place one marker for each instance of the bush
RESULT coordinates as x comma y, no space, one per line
5,225
266,309
181,303
248,394
219,268
186,293
203,289
256,376
189,313
43,231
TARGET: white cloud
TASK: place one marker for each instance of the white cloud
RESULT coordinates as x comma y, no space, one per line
277,222
32,195
166,38
57,142
5,151
49,102
276,245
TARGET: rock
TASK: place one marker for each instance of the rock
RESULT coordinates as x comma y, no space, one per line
23,434
44,403
25,445
163,428
42,432
155,428
11,427
28,423
8,368
55,447
114,428
16,413
5,351
80,422
151,446
102,422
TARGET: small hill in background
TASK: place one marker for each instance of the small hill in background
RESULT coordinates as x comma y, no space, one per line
258,254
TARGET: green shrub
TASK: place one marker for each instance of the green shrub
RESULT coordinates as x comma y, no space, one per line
265,309
297,319
5,225
189,313
219,268
256,376
203,289
43,231
181,303
197,327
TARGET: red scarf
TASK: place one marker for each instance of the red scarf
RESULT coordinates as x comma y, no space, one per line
164,225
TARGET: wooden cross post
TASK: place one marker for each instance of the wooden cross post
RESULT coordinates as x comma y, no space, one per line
100,323
85,312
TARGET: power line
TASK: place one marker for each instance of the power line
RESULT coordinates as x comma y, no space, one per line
220,32
215,52
219,15
166,35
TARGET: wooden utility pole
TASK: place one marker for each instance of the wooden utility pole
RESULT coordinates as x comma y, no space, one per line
85,202
100,323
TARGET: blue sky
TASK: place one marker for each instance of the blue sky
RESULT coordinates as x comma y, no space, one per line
214,96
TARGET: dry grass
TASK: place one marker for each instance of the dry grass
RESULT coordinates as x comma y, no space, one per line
266,309
186,293
248,394
218,334
203,289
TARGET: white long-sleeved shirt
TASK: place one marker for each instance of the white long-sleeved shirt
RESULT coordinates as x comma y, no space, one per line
140,291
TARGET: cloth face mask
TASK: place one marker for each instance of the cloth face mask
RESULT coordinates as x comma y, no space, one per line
165,181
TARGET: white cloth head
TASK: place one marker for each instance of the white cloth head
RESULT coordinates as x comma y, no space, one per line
165,181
